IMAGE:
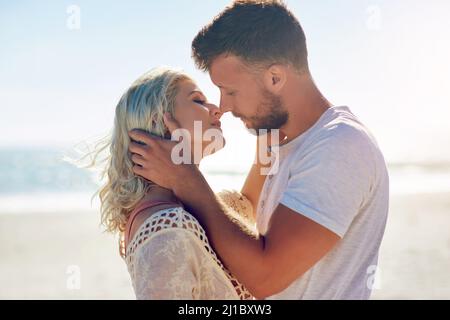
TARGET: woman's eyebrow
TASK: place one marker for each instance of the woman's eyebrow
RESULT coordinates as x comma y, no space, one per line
195,91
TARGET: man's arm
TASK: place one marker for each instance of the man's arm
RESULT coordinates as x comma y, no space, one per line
266,265
253,185
255,179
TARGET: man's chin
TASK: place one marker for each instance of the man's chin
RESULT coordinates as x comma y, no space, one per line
247,124
254,129
250,127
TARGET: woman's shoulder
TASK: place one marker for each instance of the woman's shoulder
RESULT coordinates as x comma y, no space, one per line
237,203
176,232
172,218
170,221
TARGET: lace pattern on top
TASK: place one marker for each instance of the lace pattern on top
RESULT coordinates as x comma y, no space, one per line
178,218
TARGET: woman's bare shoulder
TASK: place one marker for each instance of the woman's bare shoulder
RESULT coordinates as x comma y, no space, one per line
146,214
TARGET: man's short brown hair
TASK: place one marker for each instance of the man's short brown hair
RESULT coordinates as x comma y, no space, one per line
260,32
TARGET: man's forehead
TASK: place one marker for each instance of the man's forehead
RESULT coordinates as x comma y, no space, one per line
225,70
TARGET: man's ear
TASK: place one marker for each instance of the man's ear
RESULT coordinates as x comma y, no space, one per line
275,78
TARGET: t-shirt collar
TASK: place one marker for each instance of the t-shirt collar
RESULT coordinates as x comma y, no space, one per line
286,148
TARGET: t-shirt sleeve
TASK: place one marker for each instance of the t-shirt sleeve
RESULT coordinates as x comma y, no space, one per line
329,181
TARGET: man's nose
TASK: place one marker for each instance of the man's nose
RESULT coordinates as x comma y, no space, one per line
224,105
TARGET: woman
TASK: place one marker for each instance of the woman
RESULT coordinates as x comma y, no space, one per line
165,248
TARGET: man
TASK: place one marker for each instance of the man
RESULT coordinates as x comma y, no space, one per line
321,212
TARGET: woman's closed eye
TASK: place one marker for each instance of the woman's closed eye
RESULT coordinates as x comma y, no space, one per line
200,101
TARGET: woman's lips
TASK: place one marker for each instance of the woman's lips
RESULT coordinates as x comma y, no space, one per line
217,124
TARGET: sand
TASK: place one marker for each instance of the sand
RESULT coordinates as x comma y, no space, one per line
415,253
38,250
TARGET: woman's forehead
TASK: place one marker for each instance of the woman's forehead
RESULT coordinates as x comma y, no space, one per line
188,86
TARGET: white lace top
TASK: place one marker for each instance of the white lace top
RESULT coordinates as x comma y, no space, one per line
169,257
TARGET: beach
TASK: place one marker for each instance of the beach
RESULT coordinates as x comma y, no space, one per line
43,252
415,254
40,252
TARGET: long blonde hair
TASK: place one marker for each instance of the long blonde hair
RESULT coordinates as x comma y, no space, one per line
142,106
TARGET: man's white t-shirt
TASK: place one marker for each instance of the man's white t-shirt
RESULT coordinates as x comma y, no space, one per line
335,175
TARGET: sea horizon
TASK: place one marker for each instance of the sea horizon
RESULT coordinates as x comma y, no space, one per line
39,180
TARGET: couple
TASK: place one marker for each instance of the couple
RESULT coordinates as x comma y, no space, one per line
320,214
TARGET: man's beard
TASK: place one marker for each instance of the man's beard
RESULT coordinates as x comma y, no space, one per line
271,114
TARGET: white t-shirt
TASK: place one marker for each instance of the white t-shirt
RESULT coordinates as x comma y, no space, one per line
335,175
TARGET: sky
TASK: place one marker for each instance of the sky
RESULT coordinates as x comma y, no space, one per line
60,80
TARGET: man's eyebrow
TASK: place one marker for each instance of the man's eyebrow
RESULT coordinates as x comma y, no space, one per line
219,85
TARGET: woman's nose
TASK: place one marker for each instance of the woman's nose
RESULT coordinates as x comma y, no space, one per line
214,111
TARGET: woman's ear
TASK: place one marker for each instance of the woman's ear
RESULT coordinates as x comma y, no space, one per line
167,135
275,78
170,123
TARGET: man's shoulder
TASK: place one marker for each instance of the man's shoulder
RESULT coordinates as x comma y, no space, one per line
344,132
340,139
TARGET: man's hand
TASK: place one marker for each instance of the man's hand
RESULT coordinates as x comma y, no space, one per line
153,158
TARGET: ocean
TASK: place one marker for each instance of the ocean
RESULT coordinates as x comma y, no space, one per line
39,180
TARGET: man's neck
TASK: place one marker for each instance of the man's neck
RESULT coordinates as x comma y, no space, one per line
305,106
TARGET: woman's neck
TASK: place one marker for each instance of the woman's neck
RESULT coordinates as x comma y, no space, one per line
157,193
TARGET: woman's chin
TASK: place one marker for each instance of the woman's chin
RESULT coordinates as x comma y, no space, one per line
224,142
214,146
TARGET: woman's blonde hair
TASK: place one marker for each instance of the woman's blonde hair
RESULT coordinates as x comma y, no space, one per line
142,106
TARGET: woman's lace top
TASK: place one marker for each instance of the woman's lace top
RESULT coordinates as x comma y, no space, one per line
169,257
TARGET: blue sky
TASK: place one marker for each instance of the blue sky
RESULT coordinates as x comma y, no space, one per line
386,60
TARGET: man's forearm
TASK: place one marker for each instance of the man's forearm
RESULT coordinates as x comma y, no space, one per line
253,185
255,179
241,254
